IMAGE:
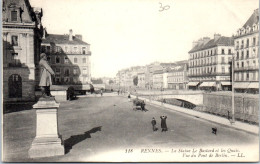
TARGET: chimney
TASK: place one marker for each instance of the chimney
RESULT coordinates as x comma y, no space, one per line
70,35
205,40
78,36
200,41
216,36
194,43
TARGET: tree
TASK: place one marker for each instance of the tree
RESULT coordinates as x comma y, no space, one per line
135,80
111,82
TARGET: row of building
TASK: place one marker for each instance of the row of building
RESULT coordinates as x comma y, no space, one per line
209,65
24,38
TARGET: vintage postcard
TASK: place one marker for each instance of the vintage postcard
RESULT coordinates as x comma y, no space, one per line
130,81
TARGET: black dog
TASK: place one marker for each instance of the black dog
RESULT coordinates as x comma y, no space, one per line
214,130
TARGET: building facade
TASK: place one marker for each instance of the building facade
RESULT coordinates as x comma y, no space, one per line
246,59
21,35
210,63
178,76
70,58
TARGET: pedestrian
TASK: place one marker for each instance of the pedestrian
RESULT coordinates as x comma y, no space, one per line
154,124
163,123
45,76
101,92
118,92
129,97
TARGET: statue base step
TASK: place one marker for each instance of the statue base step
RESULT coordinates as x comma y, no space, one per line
46,147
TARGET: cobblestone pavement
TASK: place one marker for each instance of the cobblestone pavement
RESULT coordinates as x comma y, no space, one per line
102,128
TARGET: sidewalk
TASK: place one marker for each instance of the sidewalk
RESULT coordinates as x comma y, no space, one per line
209,117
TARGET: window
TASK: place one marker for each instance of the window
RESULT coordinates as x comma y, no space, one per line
48,48
75,60
15,40
84,60
223,51
223,70
247,43
75,70
242,55
57,80
66,60
247,54
57,71
48,59
254,76
85,71
15,61
222,60
242,76
14,16
83,50
57,60
67,72
229,51
242,64
237,55
75,49
43,48
15,86
254,41
237,64
66,79
247,75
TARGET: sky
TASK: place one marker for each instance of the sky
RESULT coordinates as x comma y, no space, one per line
125,33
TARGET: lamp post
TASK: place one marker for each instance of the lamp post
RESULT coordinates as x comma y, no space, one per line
232,121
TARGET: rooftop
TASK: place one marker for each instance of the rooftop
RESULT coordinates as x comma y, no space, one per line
221,41
62,39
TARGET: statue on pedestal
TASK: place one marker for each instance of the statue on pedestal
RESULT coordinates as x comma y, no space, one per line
45,76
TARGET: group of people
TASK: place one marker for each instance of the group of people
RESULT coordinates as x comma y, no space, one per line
163,124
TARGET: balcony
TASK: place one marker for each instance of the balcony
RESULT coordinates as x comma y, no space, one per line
249,68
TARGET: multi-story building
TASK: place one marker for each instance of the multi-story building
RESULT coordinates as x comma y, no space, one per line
158,79
141,78
246,60
209,63
21,36
69,56
177,77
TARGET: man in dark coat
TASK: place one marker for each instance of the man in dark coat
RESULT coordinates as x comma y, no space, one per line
163,123
154,124
45,75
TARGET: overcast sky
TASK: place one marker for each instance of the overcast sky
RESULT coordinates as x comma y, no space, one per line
125,33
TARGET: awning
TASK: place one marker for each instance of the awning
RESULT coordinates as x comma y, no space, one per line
226,83
208,84
241,85
193,83
254,85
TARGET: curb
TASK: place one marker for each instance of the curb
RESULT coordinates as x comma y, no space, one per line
169,109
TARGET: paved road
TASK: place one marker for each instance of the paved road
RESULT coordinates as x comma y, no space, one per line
102,128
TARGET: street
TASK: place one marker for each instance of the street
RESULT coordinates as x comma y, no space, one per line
92,126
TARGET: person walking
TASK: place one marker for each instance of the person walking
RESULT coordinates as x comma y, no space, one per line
101,92
163,123
154,124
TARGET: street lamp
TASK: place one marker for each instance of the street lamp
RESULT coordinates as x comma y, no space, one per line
233,94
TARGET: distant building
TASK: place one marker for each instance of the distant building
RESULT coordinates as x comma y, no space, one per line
141,78
158,79
210,62
246,56
70,58
21,36
177,77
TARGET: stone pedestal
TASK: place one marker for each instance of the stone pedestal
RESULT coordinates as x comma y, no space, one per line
47,141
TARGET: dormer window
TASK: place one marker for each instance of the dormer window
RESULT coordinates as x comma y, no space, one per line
14,17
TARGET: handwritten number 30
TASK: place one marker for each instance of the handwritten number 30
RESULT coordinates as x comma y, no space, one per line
164,7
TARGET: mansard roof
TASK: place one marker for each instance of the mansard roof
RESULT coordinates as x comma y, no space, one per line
62,39
222,41
253,19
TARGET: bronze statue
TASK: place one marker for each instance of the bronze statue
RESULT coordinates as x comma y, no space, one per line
45,76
